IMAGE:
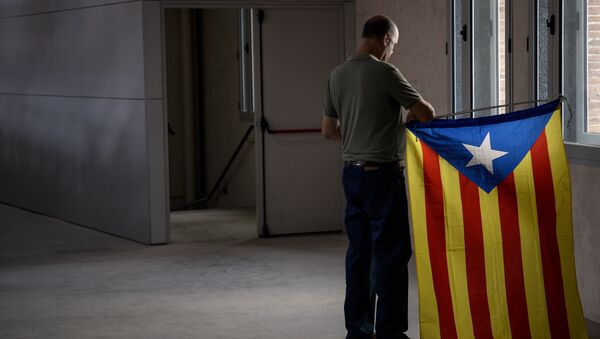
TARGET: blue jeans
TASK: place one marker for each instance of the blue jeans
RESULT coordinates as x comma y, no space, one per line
378,232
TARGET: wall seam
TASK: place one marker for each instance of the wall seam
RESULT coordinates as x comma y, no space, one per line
72,96
146,127
66,10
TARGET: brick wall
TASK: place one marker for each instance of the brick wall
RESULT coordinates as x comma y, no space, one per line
593,66
502,55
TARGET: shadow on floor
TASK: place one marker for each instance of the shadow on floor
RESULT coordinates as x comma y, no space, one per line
215,280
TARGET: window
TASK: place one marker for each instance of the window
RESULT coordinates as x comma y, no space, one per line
509,51
581,69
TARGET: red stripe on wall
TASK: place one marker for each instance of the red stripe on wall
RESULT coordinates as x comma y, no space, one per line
475,259
436,237
546,211
513,264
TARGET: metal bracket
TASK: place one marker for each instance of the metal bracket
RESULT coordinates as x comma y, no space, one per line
264,125
261,16
265,231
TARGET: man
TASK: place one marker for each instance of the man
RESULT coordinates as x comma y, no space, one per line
363,109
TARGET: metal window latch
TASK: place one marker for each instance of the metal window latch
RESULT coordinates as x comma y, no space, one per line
551,24
463,32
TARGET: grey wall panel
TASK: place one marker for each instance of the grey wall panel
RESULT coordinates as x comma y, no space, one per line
24,7
174,98
152,49
27,67
98,51
78,148
155,127
80,159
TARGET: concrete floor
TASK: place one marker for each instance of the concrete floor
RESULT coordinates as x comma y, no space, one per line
216,280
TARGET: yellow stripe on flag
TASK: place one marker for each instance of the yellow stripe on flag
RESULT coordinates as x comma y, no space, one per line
455,249
562,196
428,309
530,249
494,263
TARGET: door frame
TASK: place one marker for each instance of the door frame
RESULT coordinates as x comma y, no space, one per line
347,12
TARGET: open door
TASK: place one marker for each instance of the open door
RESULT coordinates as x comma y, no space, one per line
299,170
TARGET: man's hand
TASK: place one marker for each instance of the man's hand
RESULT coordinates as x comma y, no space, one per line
330,128
421,111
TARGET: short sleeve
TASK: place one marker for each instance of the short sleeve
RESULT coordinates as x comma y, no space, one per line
328,108
401,90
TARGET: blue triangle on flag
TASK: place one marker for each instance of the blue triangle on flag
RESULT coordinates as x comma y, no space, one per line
486,149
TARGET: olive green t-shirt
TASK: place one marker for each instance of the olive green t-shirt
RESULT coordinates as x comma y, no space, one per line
366,95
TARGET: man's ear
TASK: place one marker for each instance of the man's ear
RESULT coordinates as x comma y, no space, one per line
387,38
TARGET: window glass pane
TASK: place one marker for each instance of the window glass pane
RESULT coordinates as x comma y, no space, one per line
485,56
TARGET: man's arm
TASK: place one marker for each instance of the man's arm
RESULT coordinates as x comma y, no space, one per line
330,128
421,110
404,94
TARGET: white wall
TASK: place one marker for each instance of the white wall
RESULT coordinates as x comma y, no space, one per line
586,233
79,121
421,50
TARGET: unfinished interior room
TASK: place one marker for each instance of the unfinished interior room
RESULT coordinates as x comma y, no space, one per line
300,169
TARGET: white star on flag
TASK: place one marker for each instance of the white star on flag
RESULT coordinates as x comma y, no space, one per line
484,154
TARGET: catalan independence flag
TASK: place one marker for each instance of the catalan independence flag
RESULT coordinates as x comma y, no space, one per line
490,202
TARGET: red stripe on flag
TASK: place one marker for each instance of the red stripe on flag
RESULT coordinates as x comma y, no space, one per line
513,264
436,237
546,211
475,259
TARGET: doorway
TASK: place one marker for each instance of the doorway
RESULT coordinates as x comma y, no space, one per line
211,143
245,134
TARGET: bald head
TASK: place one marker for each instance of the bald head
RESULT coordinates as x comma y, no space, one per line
378,26
379,36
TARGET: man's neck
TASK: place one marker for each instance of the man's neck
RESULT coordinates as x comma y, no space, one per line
368,46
